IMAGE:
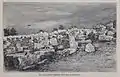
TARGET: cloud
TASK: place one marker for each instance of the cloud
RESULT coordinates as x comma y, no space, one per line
42,25
44,15
58,13
47,24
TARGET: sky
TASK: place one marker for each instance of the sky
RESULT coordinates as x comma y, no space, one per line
49,15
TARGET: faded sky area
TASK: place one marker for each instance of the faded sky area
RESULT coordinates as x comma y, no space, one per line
50,15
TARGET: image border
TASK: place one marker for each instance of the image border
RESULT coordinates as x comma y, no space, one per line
60,74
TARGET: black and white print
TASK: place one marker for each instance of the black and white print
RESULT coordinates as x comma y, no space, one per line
59,37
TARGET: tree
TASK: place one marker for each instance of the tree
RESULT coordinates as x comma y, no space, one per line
13,31
6,32
91,36
40,31
74,26
61,27
55,29
114,24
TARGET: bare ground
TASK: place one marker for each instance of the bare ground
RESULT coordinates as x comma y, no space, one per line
103,60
